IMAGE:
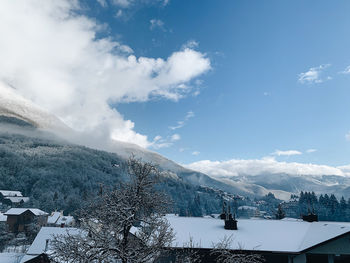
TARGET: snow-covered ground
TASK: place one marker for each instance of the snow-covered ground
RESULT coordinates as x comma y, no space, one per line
10,257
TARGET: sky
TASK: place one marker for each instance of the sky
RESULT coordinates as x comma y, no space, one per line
204,83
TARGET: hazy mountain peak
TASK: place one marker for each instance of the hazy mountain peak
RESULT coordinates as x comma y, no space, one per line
14,105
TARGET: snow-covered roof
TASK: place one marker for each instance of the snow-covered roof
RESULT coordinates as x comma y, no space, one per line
52,219
47,233
58,219
10,257
67,220
17,199
18,211
255,235
10,193
3,218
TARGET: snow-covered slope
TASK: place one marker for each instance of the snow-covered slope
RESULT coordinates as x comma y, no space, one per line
14,105
15,108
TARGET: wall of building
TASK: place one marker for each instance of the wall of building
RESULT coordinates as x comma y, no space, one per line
339,246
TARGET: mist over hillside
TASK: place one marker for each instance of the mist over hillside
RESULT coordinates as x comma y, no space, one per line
60,168
56,174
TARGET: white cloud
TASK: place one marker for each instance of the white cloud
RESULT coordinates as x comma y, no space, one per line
156,23
347,136
119,13
286,153
346,70
51,55
175,137
166,2
122,3
256,167
195,153
160,142
103,3
180,124
313,75
311,150
191,44
189,115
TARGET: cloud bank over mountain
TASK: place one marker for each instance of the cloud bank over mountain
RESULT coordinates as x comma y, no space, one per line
51,55
268,165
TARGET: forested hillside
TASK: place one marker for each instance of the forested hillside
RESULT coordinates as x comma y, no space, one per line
59,175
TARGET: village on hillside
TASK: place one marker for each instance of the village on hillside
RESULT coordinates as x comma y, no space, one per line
271,238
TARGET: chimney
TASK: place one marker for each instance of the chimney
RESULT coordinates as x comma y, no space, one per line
46,245
231,223
311,216
223,214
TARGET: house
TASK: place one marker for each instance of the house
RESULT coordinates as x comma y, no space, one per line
12,198
18,219
15,200
282,241
7,193
59,220
40,249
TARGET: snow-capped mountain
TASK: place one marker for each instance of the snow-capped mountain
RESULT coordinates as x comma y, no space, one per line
14,106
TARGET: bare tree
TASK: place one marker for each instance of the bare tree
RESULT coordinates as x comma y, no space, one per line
225,254
189,253
6,237
125,225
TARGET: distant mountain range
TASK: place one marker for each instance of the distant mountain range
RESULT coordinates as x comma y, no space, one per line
23,124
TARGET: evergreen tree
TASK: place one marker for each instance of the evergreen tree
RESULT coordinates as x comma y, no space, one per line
280,213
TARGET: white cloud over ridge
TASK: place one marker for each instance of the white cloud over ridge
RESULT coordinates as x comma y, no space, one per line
51,55
255,167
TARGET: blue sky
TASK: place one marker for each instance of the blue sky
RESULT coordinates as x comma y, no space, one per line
251,103
244,83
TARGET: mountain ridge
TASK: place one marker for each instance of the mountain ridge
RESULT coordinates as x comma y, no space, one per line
17,113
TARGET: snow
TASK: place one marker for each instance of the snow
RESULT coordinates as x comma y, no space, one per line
26,258
6,193
18,211
3,218
52,219
247,207
57,218
10,257
17,199
47,233
66,220
259,235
